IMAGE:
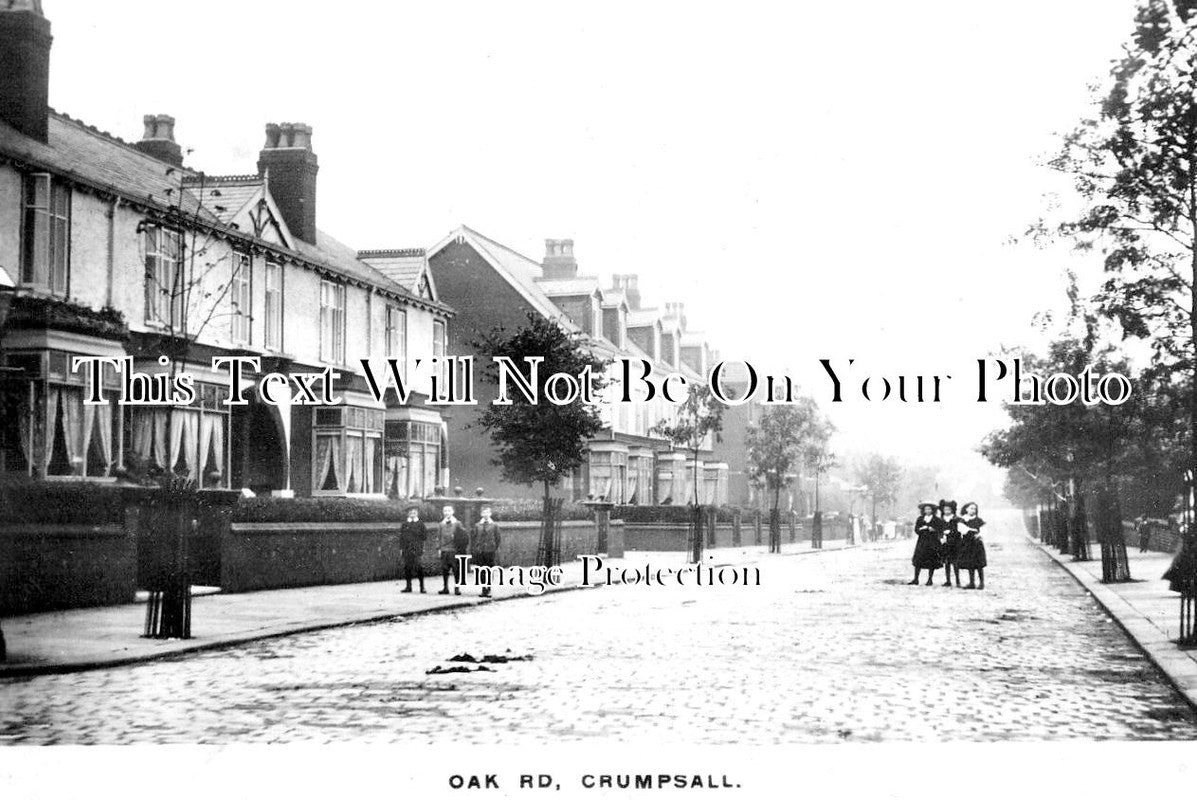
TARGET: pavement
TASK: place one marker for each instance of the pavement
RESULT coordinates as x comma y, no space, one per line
834,647
1145,608
96,638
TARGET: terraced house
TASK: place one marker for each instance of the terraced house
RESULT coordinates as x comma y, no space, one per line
118,249
490,284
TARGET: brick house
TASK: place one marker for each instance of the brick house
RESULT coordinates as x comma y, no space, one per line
489,284
120,249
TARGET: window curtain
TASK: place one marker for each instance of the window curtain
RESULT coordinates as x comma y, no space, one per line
328,456
353,464
25,423
149,436
97,431
371,466
51,429
633,485
184,429
211,443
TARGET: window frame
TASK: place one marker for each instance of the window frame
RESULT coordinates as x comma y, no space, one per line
241,289
332,327
272,334
58,219
174,304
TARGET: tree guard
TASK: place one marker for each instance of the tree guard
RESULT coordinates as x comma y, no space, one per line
1114,565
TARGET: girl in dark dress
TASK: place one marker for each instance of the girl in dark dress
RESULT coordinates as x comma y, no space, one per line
972,548
951,541
928,528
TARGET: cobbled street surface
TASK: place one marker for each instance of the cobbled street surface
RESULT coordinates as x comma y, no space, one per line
832,647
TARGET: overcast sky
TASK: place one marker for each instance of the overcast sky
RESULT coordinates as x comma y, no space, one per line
813,180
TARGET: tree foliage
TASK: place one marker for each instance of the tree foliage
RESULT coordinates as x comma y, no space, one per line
1134,166
540,442
700,416
882,477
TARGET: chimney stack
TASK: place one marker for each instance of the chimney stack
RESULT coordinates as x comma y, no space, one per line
159,139
630,286
678,312
559,262
25,67
290,167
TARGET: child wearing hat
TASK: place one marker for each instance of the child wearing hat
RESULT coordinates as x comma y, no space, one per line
928,527
951,541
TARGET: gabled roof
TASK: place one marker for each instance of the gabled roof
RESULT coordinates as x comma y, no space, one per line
562,287
613,298
343,258
519,270
236,200
407,267
644,317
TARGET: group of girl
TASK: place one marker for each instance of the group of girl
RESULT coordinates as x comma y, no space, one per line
951,541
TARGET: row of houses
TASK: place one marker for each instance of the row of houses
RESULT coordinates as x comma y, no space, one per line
121,249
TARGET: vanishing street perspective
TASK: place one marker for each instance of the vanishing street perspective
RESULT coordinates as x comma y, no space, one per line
710,473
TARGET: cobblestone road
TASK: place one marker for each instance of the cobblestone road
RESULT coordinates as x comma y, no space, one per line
832,647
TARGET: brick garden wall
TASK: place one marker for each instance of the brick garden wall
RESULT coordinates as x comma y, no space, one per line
281,555
45,567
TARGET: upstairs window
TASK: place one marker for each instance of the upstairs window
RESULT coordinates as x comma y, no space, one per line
241,297
396,335
332,322
164,289
440,339
46,226
274,305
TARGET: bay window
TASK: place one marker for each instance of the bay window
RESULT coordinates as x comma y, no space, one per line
189,441
415,457
347,454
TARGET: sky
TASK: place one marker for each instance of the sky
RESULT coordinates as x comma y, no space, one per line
813,180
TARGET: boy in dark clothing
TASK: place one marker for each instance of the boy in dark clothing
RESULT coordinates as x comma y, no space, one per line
484,542
412,534
452,538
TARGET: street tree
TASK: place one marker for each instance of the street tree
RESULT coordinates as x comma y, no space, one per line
882,478
699,419
541,443
1134,165
776,444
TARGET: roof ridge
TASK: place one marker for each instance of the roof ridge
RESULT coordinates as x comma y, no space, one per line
498,244
196,176
399,251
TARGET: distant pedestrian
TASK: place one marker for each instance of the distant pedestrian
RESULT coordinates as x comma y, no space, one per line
412,535
951,541
928,528
1144,531
484,543
972,547
452,538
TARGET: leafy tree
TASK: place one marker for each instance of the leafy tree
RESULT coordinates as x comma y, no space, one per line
540,443
882,477
776,445
819,457
1135,168
699,417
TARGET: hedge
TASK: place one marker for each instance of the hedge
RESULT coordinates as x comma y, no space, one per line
670,515
23,500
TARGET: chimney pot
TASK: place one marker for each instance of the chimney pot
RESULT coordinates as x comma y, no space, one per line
159,139
291,166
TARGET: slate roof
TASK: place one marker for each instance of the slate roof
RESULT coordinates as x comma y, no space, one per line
102,161
106,163
583,284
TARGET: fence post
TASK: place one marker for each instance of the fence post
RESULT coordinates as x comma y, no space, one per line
737,513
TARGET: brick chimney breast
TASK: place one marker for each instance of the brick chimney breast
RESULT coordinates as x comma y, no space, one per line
290,168
559,262
159,139
25,67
